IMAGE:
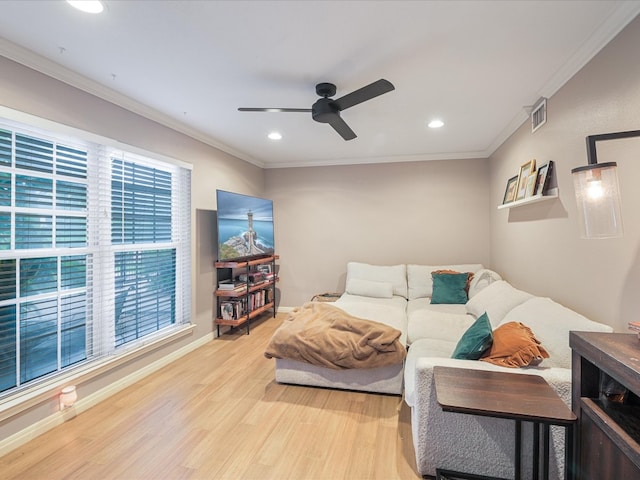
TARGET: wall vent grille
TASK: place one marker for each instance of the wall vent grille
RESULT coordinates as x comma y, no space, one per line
539,114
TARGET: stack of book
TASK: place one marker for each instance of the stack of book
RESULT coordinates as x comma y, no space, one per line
635,326
269,277
230,285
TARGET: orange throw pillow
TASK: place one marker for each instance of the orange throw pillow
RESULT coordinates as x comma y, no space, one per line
515,345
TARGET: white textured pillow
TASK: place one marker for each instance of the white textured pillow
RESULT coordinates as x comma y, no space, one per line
368,288
497,300
551,324
482,279
395,274
419,278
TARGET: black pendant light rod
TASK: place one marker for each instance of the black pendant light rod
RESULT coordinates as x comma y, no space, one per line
592,158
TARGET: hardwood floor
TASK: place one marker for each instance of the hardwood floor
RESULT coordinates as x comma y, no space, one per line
218,414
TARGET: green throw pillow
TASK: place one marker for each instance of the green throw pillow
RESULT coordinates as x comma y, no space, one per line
475,341
449,288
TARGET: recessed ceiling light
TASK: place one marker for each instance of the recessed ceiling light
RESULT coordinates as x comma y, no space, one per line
275,136
435,124
89,6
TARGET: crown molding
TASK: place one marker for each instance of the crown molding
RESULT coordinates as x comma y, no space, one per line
596,42
613,25
419,157
54,70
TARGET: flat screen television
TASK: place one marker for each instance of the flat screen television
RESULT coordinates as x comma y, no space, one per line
245,226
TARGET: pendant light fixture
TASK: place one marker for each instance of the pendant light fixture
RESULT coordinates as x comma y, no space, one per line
598,192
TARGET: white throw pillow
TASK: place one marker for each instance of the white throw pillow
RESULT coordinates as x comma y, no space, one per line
497,300
551,324
419,278
482,279
395,274
369,288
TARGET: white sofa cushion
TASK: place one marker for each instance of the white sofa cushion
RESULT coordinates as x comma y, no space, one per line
368,288
436,321
395,274
419,279
551,324
496,300
482,279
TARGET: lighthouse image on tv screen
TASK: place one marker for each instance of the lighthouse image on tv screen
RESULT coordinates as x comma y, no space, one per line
245,226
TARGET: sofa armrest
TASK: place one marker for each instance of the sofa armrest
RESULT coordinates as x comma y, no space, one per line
473,443
558,378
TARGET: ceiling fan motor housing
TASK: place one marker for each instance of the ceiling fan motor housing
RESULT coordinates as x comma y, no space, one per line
324,110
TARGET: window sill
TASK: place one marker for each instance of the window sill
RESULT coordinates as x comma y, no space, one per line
49,389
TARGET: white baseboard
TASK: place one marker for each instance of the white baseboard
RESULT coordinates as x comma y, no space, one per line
58,418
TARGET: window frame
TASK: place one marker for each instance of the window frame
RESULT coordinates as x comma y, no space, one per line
19,398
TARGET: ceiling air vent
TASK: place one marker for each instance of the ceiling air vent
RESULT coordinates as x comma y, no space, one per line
539,114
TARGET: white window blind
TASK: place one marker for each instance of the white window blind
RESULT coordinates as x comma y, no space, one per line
94,252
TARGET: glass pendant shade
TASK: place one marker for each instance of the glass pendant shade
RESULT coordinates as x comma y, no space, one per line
598,200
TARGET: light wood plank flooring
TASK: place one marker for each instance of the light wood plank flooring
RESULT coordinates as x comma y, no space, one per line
219,414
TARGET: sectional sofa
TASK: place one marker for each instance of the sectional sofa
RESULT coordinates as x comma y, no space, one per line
402,296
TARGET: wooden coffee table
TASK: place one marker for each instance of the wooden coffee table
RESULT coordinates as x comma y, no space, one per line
523,398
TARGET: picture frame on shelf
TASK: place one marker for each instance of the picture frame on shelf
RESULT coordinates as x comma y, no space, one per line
227,311
531,185
510,191
525,170
542,178
264,268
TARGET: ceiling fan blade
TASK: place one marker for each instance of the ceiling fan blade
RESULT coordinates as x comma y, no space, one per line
363,94
340,126
250,109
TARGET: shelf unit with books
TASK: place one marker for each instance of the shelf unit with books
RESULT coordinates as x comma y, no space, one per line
245,290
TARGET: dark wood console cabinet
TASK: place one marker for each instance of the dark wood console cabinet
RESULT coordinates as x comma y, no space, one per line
607,445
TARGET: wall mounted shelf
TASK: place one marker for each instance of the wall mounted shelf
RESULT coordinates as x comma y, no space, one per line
550,195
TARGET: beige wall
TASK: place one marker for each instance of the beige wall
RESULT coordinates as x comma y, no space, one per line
28,91
538,247
423,212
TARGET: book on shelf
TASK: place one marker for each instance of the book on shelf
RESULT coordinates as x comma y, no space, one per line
233,309
257,299
228,285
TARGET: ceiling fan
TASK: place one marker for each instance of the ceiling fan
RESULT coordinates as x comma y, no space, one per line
327,110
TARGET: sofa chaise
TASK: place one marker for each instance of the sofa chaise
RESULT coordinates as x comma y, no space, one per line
375,293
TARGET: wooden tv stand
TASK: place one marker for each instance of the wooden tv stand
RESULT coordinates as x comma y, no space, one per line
608,441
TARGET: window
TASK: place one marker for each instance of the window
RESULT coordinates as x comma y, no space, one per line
94,252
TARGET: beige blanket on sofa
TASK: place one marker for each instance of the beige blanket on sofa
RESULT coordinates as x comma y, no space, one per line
321,334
